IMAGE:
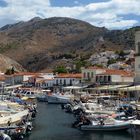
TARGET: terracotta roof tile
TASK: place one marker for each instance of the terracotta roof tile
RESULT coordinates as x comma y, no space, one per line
69,75
2,77
36,76
117,72
26,73
40,81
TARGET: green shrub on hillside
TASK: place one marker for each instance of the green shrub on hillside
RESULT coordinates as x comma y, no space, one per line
60,69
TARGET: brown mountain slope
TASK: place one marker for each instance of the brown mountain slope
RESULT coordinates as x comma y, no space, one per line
7,63
43,43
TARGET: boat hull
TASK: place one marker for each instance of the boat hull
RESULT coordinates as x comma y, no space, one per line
13,118
57,100
118,127
42,99
9,127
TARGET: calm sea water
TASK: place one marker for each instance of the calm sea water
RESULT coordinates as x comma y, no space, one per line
52,123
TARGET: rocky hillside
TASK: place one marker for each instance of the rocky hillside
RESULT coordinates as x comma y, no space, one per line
123,37
41,44
7,63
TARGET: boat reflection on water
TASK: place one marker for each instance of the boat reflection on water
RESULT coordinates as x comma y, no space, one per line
52,123
125,135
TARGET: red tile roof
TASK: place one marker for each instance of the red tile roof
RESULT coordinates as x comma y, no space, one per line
26,73
36,76
112,71
117,72
40,81
22,74
69,75
2,77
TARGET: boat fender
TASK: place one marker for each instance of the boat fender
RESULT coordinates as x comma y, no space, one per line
101,122
33,114
114,115
29,128
19,129
9,121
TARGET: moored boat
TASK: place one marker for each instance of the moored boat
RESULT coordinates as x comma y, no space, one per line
58,99
117,126
4,136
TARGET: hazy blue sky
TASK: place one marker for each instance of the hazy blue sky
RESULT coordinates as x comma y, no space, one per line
113,14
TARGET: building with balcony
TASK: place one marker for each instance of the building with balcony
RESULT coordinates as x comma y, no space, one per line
137,57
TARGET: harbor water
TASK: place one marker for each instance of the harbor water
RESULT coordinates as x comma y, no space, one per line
52,123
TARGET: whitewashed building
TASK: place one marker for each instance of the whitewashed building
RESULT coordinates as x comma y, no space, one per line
106,76
14,79
2,82
89,74
137,57
47,83
67,79
115,77
45,80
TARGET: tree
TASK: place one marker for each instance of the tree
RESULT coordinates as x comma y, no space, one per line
111,61
81,63
10,71
99,65
122,54
60,69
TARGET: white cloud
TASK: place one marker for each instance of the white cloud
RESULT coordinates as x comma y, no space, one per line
98,6
109,14
119,24
125,7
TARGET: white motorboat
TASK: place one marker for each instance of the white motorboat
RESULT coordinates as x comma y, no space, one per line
13,118
42,98
70,92
58,99
10,111
107,125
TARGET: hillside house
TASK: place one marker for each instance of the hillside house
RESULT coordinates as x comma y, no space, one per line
67,79
106,76
115,77
14,79
89,74
137,57
43,81
2,82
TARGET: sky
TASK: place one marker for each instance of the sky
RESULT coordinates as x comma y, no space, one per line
112,14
